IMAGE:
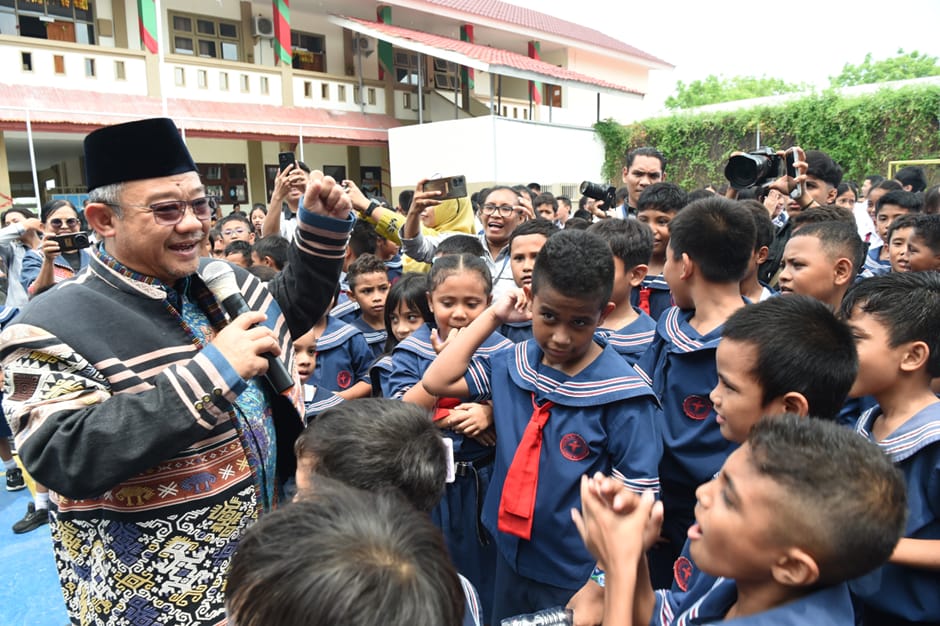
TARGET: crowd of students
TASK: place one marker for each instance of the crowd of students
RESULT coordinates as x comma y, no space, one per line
725,400
643,352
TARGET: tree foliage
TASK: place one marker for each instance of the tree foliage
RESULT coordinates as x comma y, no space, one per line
861,133
714,89
901,67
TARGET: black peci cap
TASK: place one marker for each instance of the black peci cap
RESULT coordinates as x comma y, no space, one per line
149,148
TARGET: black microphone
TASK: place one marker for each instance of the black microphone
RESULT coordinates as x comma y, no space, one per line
220,279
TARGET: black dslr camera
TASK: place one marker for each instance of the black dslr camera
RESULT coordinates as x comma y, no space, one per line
600,192
759,168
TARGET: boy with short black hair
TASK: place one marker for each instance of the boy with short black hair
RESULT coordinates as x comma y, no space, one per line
368,286
270,251
588,411
378,445
546,206
238,253
343,556
801,508
923,244
822,260
889,207
656,207
899,233
525,242
628,329
895,319
711,242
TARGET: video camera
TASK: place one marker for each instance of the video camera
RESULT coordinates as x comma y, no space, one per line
759,168
599,192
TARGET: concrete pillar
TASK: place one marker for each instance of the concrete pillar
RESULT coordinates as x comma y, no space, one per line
5,188
257,191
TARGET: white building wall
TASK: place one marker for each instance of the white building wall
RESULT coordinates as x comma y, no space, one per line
494,150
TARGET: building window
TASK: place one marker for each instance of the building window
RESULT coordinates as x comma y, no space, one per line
27,60
58,64
308,89
119,71
223,81
89,67
309,51
202,79
243,79
179,77
446,75
264,85
405,64
228,181
370,94
325,91
341,93
204,36
58,20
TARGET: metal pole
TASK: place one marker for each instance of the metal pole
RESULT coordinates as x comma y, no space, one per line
420,89
456,88
598,106
362,100
160,57
32,158
499,95
300,143
492,92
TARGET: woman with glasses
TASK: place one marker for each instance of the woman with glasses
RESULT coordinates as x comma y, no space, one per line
59,217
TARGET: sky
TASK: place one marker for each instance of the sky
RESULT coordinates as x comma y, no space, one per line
740,38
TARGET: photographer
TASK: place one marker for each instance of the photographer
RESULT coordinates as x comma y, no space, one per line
59,217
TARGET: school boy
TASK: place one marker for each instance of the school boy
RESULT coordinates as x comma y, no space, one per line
368,286
899,233
628,329
524,244
889,207
343,359
802,507
710,245
343,556
588,411
895,319
783,355
821,261
657,206
379,445
923,245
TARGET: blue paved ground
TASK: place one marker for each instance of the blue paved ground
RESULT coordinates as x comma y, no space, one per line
29,587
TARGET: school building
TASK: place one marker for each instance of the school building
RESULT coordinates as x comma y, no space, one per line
381,93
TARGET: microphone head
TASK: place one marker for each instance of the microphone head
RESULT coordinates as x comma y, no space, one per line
220,279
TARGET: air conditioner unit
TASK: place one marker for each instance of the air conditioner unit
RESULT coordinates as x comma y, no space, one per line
262,27
362,44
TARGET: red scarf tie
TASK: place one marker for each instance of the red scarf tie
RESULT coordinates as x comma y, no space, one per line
644,300
517,503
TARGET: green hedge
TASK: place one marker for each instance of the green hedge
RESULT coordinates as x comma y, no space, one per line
862,133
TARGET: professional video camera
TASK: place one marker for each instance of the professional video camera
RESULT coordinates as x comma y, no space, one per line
759,168
599,192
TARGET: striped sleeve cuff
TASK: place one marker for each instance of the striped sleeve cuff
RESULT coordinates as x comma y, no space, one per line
208,385
322,236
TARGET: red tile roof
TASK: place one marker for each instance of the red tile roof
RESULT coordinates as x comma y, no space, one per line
495,57
67,110
527,18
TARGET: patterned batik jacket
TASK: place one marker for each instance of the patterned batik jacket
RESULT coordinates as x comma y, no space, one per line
158,454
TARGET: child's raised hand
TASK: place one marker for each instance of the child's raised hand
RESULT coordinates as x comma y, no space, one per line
623,500
512,306
439,344
615,538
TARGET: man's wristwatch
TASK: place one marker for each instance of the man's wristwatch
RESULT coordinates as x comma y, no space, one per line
372,206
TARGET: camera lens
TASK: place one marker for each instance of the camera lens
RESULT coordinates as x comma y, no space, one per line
744,170
592,190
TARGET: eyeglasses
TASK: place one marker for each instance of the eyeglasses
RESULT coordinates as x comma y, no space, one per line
504,210
71,222
170,213
228,232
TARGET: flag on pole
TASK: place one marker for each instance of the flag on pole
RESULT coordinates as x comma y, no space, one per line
386,59
147,21
466,73
535,87
282,47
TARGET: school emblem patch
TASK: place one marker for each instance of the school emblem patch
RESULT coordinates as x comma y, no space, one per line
344,379
697,407
574,447
682,571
